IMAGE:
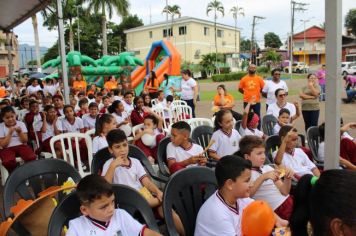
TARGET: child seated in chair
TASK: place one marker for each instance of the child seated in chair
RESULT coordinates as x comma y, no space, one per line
148,138
89,119
267,183
99,216
283,119
222,212
181,152
250,122
13,140
292,157
123,169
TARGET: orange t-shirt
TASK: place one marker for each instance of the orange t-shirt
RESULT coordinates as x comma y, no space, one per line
228,100
80,85
109,85
2,92
252,86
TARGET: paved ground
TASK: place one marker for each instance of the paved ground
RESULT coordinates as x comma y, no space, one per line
348,111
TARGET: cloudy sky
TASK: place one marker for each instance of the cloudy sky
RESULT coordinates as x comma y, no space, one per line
277,13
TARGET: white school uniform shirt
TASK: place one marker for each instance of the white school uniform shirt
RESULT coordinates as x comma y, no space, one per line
225,144
298,161
217,218
276,128
49,130
247,131
130,175
51,89
268,191
188,89
121,223
15,139
271,87
67,127
128,107
99,142
88,121
31,89
122,118
179,154
274,109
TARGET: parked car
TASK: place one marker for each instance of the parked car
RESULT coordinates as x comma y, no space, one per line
348,68
300,67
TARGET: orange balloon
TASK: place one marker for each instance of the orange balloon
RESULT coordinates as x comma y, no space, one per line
257,219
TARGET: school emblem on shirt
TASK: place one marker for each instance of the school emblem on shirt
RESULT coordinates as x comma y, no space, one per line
118,233
234,143
92,232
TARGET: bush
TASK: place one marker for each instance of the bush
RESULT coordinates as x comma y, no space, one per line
262,69
228,77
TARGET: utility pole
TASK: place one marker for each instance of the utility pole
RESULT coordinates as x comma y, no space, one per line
150,15
295,6
167,33
78,29
253,48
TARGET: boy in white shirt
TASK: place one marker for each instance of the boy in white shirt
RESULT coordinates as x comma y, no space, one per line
90,118
221,213
181,152
127,101
292,157
99,216
267,182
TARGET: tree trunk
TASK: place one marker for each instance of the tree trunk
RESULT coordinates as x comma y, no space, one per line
103,26
37,42
71,36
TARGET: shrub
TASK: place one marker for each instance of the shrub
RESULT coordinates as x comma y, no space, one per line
262,69
228,77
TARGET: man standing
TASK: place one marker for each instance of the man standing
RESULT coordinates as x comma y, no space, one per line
321,78
251,86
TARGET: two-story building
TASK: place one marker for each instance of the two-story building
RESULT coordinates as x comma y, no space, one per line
4,62
193,38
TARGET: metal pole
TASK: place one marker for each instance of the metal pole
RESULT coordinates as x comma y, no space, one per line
167,34
78,34
333,22
304,44
63,51
291,40
9,57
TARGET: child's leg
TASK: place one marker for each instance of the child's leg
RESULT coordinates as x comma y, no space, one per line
177,222
8,159
145,149
25,152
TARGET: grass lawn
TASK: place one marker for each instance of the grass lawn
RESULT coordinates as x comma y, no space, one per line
283,76
209,95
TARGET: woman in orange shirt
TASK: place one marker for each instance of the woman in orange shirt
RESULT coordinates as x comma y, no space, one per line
80,84
111,84
224,100
152,85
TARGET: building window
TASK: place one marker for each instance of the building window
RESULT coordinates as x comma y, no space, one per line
220,33
170,32
150,33
182,30
206,31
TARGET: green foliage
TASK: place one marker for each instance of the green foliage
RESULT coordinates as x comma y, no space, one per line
350,21
208,62
262,69
245,45
191,66
272,55
228,77
52,53
272,40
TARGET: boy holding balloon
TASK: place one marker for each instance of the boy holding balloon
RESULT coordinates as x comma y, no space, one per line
223,212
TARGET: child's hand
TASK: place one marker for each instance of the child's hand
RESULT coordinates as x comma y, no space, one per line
12,129
118,161
159,196
290,135
196,159
18,130
202,161
281,223
296,104
272,175
288,173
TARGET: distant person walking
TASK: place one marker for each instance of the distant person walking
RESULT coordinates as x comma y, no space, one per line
251,86
320,74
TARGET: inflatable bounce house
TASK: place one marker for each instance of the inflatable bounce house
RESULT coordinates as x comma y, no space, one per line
162,58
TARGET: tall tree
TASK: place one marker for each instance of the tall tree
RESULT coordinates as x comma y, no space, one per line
245,45
172,10
236,11
272,40
37,41
216,7
121,7
350,21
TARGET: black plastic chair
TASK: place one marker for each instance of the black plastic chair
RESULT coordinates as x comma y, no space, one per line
162,156
313,138
126,197
186,191
238,125
202,135
99,160
268,122
272,144
33,177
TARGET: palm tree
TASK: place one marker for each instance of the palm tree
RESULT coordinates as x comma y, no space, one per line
121,6
215,6
172,10
235,12
37,41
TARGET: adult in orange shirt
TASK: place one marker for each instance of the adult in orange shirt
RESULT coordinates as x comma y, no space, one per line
111,84
251,86
80,84
224,100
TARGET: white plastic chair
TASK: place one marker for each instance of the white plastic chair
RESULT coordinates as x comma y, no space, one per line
195,122
154,102
37,144
90,132
68,154
179,102
181,113
137,127
165,114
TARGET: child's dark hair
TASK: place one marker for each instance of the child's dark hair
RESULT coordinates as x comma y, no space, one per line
282,111
33,102
115,136
187,72
230,167
169,98
128,93
105,97
5,110
136,100
93,104
153,118
159,92
333,196
248,143
82,102
93,187
285,129
91,96
153,77
113,106
219,117
100,121
181,125
66,107
48,107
